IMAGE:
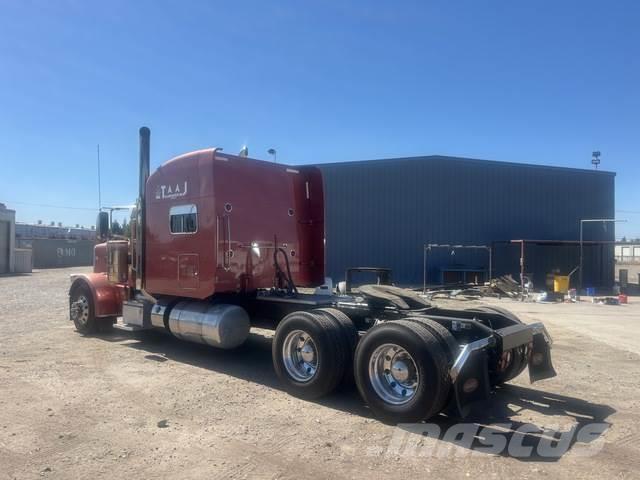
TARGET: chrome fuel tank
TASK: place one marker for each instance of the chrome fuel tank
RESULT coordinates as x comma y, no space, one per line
218,325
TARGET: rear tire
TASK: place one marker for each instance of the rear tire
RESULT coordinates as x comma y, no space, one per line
516,365
444,336
350,340
518,356
401,372
309,354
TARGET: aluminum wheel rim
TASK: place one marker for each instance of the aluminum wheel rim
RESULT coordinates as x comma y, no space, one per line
393,374
80,309
300,356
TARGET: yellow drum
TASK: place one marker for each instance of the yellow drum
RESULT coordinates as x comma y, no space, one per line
561,283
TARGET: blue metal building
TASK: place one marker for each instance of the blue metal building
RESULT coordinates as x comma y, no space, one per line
382,213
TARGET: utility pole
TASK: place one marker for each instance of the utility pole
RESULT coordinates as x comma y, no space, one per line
99,192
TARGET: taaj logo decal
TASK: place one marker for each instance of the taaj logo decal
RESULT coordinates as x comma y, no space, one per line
167,191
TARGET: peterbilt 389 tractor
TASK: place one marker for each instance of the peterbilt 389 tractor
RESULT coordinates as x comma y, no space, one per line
220,243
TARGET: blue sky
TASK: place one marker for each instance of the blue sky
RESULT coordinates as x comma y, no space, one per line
525,81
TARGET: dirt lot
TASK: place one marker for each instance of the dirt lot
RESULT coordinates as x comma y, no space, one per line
150,406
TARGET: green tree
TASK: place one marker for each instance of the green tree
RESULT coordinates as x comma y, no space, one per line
116,228
126,228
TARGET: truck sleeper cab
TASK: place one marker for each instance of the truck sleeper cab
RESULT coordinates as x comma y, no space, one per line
220,243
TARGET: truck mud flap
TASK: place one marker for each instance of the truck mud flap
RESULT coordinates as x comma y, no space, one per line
540,365
471,387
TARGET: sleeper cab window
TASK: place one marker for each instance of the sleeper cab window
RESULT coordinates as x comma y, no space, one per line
183,219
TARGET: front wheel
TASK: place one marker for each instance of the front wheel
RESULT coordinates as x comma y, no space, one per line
82,312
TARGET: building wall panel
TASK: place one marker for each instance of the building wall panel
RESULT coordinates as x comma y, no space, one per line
382,212
7,239
4,247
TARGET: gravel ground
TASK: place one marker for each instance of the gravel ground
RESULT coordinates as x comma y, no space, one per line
149,406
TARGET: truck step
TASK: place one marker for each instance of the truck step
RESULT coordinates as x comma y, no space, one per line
127,327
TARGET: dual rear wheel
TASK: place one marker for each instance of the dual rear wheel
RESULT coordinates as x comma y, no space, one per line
313,351
401,370
400,367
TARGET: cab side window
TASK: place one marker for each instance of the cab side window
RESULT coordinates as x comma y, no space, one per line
183,219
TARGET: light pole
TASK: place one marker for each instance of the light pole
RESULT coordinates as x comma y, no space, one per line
99,192
591,220
272,151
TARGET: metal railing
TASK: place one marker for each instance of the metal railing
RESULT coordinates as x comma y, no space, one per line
627,259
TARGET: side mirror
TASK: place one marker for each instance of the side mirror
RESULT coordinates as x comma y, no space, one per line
102,226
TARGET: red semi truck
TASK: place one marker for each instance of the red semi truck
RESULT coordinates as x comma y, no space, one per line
222,242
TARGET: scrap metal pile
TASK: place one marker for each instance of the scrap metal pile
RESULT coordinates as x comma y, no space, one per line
504,286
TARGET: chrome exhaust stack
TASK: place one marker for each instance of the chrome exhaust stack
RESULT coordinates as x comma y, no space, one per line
143,175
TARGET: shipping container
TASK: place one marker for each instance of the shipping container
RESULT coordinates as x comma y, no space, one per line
56,253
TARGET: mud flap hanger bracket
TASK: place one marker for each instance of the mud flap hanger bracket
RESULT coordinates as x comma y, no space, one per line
470,374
